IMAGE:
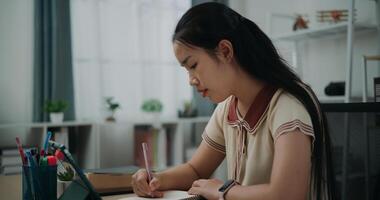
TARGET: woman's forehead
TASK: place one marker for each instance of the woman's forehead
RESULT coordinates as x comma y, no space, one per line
181,49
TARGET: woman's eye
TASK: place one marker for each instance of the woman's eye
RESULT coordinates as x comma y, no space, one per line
193,66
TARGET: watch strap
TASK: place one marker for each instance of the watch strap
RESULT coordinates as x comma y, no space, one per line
226,187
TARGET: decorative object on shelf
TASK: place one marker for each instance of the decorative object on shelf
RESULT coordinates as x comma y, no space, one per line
335,88
112,106
300,22
376,92
56,109
333,16
366,59
188,110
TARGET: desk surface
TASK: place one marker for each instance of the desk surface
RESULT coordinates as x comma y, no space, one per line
116,197
10,187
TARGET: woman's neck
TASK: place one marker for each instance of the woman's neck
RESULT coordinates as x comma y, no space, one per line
246,91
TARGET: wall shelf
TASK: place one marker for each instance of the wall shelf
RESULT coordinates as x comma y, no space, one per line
47,124
331,99
324,31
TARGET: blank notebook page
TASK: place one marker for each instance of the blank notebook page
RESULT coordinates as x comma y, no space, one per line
169,195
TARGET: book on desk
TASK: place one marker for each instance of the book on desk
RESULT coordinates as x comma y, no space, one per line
112,180
168,195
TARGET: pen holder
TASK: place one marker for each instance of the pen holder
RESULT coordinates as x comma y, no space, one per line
39,182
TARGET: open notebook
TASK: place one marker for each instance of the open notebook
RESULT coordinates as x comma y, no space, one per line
169,195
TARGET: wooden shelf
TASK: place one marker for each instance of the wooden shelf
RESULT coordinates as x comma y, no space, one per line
324,31
201,119
47,124
331,99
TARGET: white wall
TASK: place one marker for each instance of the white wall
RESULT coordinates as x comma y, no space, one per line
16,45
16,64
322,60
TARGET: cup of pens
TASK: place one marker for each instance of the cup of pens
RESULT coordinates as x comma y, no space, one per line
39,172
39,182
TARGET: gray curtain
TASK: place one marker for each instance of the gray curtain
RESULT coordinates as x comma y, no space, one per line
204,106
53,73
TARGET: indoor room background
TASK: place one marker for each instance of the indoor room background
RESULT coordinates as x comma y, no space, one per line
123,49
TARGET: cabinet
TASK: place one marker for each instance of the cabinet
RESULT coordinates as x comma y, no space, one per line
356,141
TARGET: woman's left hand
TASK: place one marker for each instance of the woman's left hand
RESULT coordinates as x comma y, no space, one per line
208,188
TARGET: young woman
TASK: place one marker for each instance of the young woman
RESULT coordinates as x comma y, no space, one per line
268,124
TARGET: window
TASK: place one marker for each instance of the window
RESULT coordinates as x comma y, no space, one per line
122,48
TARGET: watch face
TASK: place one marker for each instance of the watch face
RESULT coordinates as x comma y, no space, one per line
226,185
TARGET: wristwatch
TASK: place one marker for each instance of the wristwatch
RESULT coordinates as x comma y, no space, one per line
225,187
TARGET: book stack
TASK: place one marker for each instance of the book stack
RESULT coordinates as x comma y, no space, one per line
10,162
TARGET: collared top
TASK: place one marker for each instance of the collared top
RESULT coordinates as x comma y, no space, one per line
249,141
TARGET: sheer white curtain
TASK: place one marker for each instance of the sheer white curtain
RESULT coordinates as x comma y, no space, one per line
122,48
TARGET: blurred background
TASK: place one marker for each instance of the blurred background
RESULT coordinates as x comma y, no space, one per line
111,67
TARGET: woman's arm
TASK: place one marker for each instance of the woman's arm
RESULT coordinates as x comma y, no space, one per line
289,178
202,165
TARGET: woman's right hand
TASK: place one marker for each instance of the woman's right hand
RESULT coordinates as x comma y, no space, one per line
142,187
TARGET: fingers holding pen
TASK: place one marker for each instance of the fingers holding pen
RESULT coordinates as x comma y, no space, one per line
142,186
154,186
140,183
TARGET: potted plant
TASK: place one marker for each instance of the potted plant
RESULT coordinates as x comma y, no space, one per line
65,176
56,108
152,107
188,110
112,106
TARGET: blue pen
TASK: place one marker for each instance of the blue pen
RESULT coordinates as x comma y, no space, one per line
35,176
48,137
30,176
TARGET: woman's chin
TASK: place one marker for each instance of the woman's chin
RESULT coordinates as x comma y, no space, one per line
216,99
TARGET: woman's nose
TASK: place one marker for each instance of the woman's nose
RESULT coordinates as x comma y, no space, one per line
193,81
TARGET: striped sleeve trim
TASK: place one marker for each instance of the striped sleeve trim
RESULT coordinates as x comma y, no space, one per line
213,144
293,125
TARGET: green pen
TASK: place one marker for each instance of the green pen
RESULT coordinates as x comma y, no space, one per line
43,161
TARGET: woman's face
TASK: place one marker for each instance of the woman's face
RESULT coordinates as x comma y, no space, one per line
210,76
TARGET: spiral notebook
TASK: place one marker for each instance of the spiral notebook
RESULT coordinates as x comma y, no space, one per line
169,195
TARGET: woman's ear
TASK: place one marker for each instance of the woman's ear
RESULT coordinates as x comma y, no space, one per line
225,50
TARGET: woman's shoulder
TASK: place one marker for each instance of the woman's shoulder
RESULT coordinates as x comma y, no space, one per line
284,99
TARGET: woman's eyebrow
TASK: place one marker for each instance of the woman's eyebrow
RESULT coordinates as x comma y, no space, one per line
183,63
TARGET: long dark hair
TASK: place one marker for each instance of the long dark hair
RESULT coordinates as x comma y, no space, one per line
205,25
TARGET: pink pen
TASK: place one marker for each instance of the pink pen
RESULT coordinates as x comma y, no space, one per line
21,151
145,149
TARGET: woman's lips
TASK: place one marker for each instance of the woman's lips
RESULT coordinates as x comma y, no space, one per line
203,92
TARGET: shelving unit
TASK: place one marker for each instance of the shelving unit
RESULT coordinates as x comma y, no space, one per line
324,31
178,141
342,28
62,131
91,143
348,28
